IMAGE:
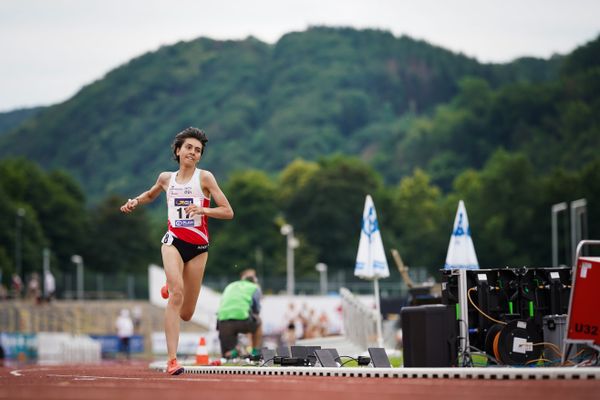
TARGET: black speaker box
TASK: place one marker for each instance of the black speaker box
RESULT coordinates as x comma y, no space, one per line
429,335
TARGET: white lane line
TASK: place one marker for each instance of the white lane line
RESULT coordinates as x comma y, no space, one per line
19,372
90,377
124,378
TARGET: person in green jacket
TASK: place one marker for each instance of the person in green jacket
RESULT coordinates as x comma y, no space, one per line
239,313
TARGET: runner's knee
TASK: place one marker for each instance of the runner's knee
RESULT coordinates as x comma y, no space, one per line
186,315
176,297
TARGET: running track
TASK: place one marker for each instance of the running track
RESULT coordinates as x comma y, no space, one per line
136,381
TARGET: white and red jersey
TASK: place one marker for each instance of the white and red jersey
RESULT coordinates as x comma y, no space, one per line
180,195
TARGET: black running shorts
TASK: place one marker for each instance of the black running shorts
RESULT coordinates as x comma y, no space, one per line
186,250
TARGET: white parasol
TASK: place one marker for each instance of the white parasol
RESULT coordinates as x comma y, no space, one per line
461,252
371,262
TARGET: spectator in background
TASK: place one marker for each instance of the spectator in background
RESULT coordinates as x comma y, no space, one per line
49,285
312,325
289,330
124,326
3,292
33,288
137,318
16,286
304,318
323,324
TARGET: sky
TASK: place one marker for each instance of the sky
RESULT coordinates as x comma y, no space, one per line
50,49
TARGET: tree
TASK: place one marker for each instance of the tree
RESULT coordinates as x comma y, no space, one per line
120,243
418,221
327,210
252,238
294,178
64,216
500,201
49,210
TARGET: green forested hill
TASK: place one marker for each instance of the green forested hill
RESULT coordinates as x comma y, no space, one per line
555,123
11,119
299,132
313,93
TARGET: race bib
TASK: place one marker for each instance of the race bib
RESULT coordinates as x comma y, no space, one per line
167,239
177,215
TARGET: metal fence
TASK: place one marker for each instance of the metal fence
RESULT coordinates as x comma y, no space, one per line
110,286
360,321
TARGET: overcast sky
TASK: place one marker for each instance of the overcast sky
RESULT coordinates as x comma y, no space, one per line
49,49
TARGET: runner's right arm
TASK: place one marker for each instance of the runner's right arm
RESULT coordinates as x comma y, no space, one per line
149,195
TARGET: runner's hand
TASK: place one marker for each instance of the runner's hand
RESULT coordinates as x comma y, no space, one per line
130,205
193,209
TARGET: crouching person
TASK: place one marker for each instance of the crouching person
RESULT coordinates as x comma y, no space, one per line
239,313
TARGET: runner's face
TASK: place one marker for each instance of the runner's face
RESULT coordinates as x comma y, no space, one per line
190,151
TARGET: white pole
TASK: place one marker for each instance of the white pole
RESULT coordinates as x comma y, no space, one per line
464,311
291,243
18,245
80,280
322,269
578,208
78,261
290,264
378,311
556,208
45,270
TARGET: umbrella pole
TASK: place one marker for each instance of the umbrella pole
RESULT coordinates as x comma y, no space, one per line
378,310
464,310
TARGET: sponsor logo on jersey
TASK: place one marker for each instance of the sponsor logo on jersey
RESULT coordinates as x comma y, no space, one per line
183,202
182,223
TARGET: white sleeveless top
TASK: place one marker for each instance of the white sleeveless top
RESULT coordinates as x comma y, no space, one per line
179,196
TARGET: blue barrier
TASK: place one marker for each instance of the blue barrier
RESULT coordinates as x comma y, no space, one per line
17,345
111,343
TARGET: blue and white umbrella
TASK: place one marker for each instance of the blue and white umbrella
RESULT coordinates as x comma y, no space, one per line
461,257
371,262
461,252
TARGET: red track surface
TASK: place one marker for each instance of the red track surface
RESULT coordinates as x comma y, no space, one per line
116,381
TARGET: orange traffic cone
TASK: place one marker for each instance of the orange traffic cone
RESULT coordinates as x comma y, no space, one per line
202,352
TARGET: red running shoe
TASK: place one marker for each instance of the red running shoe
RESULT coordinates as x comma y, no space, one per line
164,292
173,367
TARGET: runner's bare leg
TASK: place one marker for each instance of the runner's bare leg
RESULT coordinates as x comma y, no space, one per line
173,265
193,274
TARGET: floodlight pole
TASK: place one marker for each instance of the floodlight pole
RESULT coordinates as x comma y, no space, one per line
322,269
78,261
578,229
556,208
18,245
291,243
45,270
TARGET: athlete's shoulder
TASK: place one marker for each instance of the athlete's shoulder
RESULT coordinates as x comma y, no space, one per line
164,177
206,174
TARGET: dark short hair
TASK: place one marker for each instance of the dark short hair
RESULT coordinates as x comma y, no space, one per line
249,274
187,133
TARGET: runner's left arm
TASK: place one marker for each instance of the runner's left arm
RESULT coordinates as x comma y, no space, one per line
222,210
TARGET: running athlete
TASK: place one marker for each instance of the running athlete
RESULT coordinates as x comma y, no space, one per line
185,245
